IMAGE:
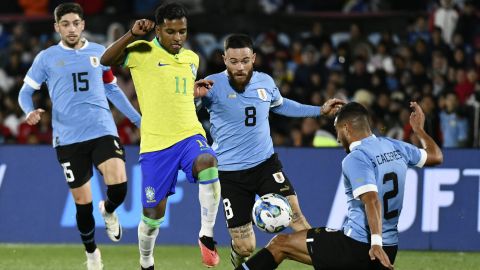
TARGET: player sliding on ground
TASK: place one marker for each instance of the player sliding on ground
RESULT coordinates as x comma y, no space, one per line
374,177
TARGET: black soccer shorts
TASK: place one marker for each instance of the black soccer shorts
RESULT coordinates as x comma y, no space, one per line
77,158
240,187
332,249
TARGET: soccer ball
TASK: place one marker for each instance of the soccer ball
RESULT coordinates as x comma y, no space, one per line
272,213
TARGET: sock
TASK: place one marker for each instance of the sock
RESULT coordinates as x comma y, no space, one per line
86,226
263,260
115,196
209,197
147,234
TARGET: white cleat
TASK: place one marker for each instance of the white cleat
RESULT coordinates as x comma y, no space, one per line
94,260
113,227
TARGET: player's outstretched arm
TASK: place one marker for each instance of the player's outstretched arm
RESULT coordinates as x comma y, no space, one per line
26,103
115,53
374,217
417,121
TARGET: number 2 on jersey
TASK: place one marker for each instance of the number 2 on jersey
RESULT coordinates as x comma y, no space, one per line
389,195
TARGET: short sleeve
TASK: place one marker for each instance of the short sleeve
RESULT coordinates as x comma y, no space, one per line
277,98
359,171
36,75
412,154
135,51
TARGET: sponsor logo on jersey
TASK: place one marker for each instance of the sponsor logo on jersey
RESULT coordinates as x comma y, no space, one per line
150,194
233,95
94,61
60,63
262,94
279,178
160,64
330,230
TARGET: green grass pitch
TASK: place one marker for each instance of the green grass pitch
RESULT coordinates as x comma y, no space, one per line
118,257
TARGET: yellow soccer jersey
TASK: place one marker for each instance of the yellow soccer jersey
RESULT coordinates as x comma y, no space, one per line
164,86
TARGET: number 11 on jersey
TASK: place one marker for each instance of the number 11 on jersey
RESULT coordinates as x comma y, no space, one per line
177,82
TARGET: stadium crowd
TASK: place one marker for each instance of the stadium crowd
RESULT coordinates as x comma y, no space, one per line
435,61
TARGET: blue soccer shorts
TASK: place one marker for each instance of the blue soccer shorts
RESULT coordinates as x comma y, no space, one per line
160,168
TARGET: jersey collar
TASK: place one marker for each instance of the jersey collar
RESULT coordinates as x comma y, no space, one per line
68,48
357,143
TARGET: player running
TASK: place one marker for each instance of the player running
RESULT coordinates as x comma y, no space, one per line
374,177
172,138
84,132
239,101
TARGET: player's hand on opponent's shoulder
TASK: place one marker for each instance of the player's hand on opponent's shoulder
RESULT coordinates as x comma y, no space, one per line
34,116
377,252
331,106
417,117
201,87
142,27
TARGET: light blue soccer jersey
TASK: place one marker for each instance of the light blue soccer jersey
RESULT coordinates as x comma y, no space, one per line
239,121
74,79
380,165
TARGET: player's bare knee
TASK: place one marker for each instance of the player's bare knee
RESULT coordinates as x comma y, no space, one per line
156,212
205,161
277,244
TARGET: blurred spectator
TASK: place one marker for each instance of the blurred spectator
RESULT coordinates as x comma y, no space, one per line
419,30
464,85
6,135
454,126
34,7
381,60
468,23
358,78
437,41
446,18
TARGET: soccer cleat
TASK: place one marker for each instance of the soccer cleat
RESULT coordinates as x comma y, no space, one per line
209,252
113,227
94,260
149,268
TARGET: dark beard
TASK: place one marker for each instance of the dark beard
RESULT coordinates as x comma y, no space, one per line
239,88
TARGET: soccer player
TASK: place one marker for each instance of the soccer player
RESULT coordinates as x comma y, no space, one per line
172,138
84,132
374,177
239,101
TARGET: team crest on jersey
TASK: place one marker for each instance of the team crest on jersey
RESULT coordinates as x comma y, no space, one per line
262,94
150,194
94,61
279,178
194,70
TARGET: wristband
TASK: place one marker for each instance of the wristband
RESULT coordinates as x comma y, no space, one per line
376,239
131,32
